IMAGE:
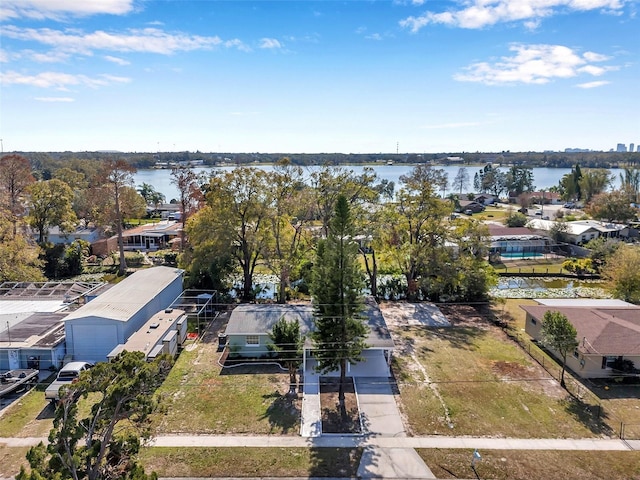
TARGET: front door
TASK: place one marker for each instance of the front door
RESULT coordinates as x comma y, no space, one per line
14,359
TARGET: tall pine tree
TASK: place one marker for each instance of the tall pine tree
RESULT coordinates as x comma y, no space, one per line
337,299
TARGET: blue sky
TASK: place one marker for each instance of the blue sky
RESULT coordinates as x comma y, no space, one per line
319,76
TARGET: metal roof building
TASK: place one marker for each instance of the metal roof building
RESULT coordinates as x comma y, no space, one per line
97,327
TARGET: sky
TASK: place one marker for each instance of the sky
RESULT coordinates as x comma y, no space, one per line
406,76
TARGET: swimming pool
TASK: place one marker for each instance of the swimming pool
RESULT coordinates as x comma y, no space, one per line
521,254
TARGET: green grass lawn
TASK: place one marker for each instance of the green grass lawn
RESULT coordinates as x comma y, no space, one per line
30,416
533,464
492,213
252,462
201,397
486,383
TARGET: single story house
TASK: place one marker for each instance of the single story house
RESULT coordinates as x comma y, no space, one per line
35,342
250,324
486,199
56,236
31,326
465,205
608,337
149,237
96,328
581,231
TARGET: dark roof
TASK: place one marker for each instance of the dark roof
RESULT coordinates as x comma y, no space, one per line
601,331
48,326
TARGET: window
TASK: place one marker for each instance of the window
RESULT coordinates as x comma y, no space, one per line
608,362
575,353
533,321
253,340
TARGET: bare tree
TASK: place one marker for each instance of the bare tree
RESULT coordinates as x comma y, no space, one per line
461,180
116,175
15,177
187,182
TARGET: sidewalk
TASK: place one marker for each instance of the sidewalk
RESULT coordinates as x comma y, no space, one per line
435,441
486,443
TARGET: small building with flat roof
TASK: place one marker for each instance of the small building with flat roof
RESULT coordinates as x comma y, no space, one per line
166,329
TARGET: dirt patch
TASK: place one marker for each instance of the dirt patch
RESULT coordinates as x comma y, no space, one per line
332,419
479,316
402,314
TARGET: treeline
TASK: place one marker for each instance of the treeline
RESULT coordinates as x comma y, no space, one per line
51,160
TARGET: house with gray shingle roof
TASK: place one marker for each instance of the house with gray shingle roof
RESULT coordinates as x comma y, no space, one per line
250,324
608,337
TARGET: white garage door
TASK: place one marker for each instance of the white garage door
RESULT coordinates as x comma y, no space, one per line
92,343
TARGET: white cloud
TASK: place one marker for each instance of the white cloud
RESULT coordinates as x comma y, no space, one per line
59,9
59,80
596,84
150,40
55,99
46,57
534,64
484,13
270,43
117,60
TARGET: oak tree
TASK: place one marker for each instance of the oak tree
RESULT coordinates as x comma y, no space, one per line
50,204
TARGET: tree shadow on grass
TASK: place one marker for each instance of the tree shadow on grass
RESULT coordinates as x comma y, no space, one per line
460,337
283,413
335,462
591,416
49,411
333,419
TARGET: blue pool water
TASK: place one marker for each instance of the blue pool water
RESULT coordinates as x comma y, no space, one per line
521,254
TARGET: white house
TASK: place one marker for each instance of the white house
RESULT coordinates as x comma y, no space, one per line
97,327
581,231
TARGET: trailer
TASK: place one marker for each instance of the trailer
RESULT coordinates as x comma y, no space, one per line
18,379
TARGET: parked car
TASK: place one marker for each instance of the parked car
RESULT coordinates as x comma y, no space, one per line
569,205
67,375
538,213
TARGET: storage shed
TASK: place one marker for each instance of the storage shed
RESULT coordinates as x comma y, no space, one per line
96,328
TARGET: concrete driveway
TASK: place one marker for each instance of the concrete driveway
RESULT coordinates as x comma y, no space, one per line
378,409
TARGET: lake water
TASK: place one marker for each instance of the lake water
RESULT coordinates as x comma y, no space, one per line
161,179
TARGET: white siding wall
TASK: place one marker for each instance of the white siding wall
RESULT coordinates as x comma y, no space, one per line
92,341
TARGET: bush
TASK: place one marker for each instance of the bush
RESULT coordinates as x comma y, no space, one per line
516,219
